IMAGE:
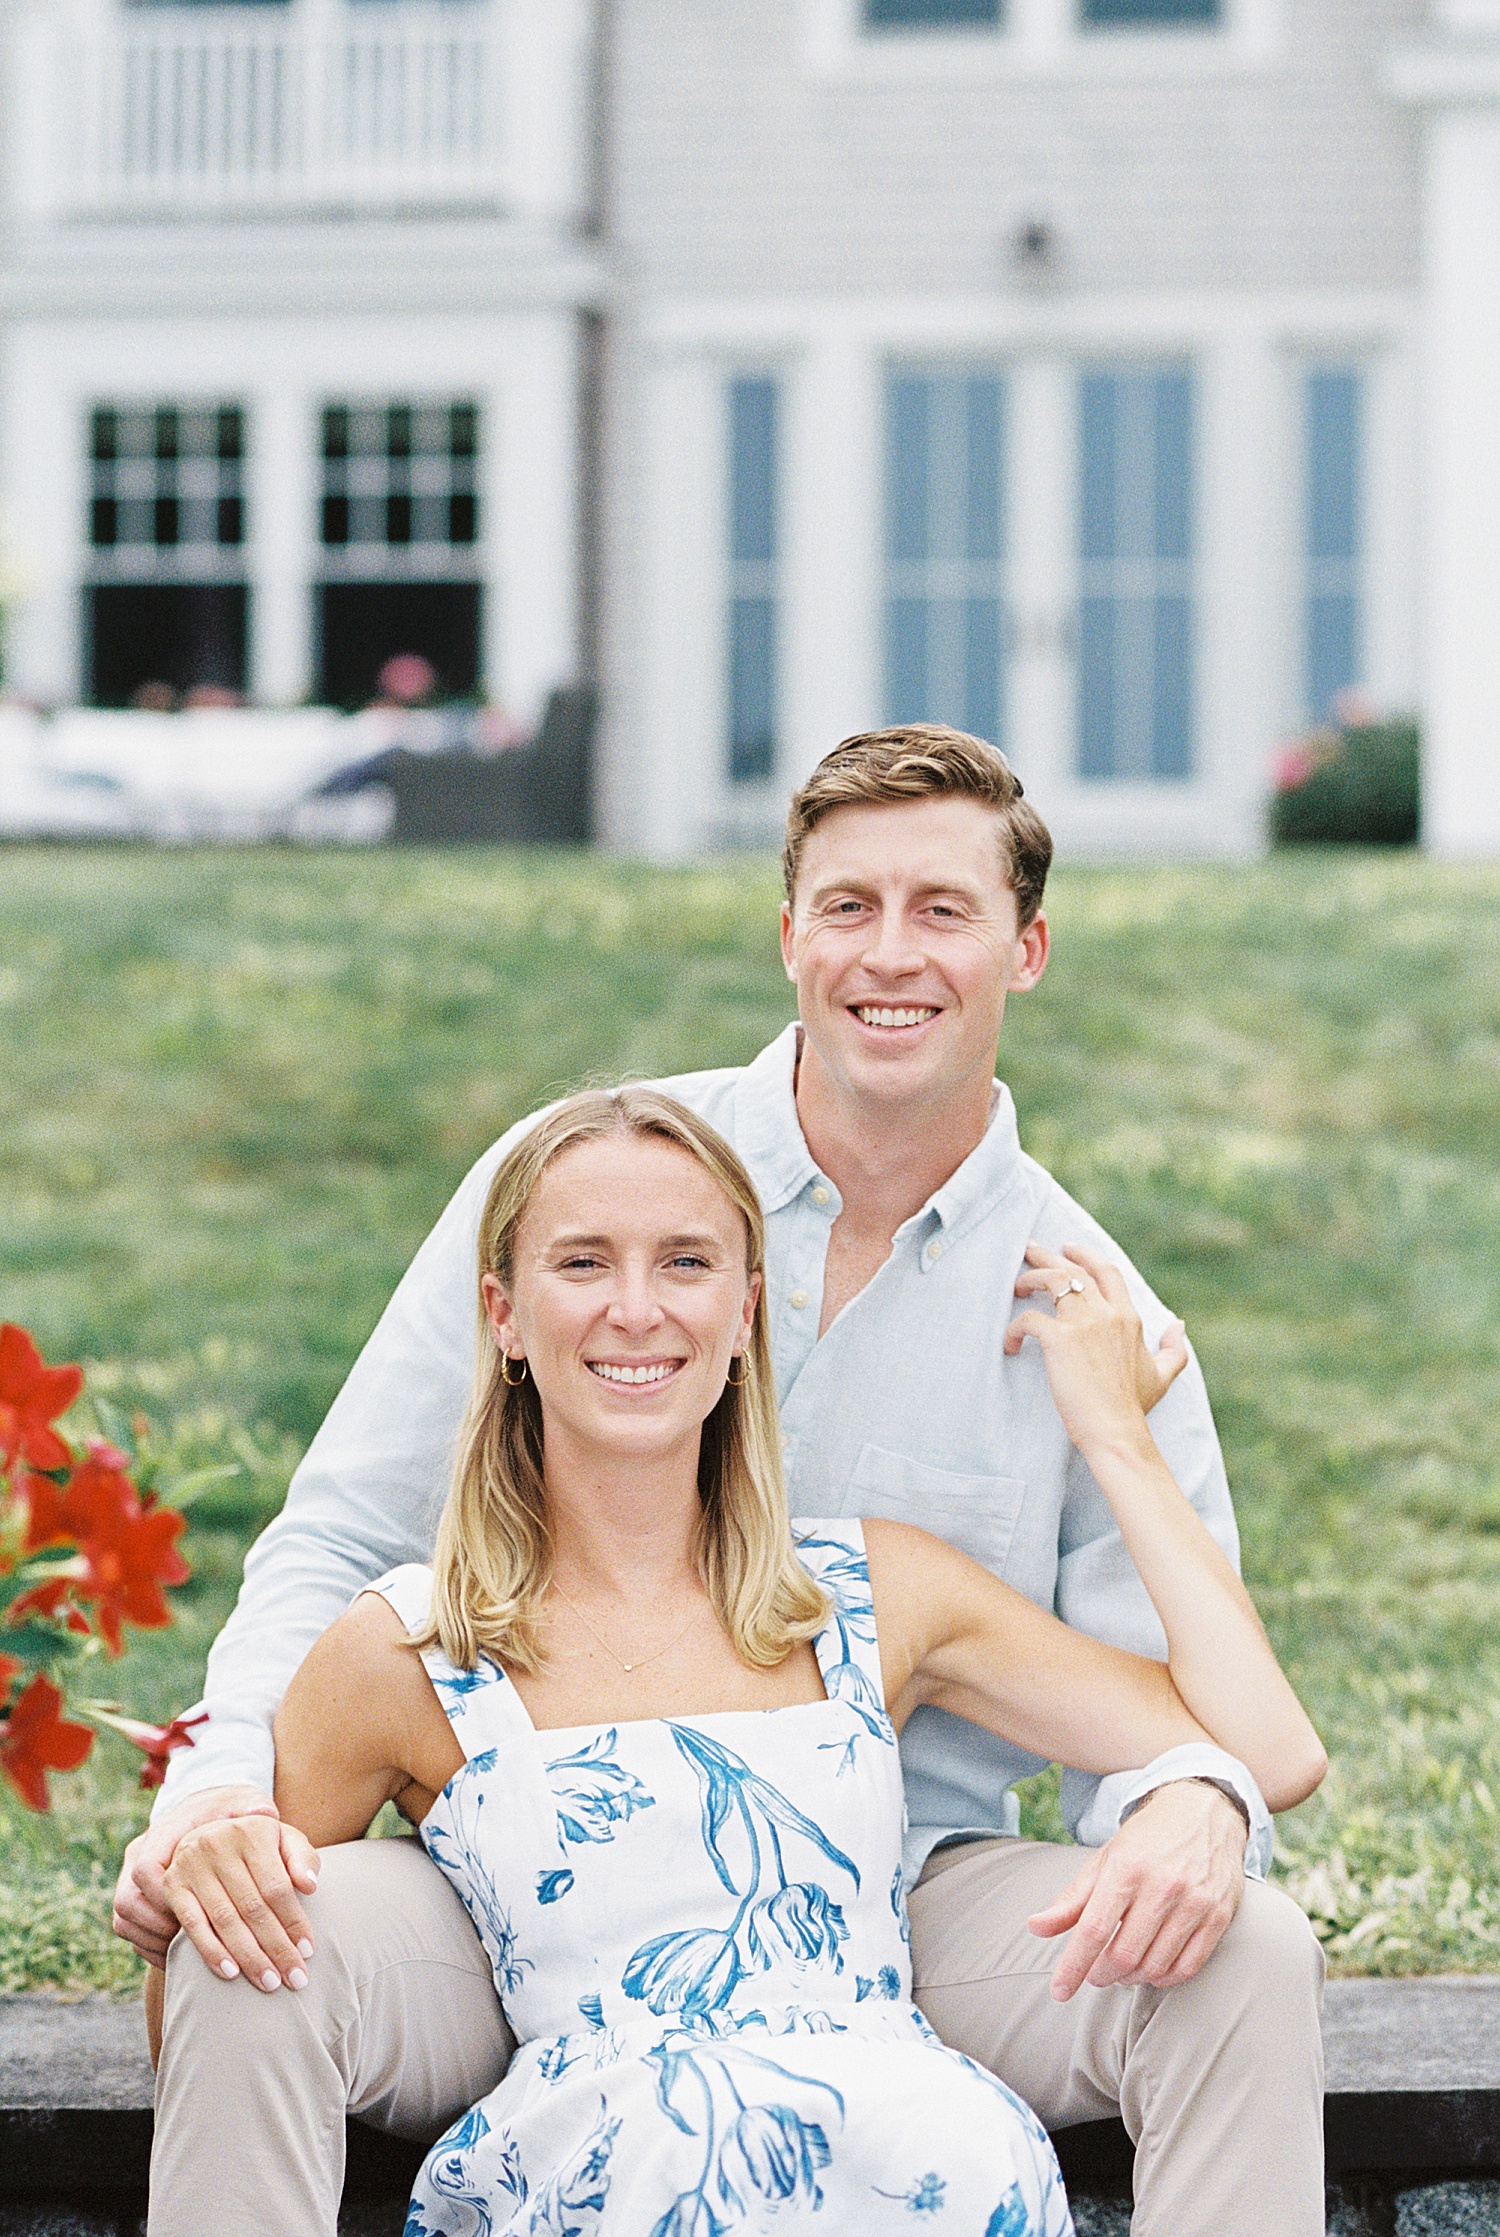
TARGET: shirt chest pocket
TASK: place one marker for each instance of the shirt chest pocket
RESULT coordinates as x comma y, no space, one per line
977,1514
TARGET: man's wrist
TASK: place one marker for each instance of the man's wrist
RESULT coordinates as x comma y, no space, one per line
1235,1800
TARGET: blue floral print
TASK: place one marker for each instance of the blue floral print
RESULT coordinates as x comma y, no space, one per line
699,1929
594,1793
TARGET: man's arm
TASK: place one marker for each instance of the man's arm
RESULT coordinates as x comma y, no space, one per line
364,1500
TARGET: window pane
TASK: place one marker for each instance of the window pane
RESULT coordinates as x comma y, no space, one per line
1333,465
929,12
398,485
1135,539
1151,11
753,620
752,477
752,689
945,549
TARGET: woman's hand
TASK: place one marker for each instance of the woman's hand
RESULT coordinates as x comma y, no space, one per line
233,1886
1104,1379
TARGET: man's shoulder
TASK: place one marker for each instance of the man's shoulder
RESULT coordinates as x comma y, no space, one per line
1058,1219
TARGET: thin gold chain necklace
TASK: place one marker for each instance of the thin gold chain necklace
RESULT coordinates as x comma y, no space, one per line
640,1660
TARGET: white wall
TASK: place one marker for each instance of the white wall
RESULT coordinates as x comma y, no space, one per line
665,786
521,367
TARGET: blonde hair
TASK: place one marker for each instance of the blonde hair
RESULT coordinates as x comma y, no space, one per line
924,761
493,1555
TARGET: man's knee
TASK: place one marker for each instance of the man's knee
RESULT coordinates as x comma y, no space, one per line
1271,1944
1265,1979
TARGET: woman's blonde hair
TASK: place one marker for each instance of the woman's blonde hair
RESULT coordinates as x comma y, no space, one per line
493,1556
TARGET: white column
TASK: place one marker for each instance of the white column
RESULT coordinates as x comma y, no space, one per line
675,743
529,515
830,608
282,503
1240,693
1456,76
43,438
1041,473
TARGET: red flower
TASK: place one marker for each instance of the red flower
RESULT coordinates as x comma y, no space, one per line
31,1398
156,1741
35,1740
126,1543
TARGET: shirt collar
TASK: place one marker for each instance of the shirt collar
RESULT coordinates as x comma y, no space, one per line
769,1137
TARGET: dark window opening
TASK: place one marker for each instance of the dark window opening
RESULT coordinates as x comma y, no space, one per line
363,625
104,523
1151,11
186,636
942,13
231,520
166,521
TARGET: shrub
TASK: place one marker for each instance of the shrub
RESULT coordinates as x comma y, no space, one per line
1358,786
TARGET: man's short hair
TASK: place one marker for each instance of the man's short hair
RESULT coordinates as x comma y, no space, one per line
925,761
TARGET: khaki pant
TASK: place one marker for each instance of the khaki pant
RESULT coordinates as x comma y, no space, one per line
1218,2082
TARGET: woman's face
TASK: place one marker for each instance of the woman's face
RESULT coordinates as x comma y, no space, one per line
629,1294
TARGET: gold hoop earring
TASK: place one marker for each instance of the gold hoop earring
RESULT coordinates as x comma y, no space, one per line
512,1382
738,1382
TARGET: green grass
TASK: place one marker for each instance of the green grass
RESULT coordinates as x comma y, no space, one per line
237,1088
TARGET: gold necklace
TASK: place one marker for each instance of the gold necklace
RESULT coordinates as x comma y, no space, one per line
641,1660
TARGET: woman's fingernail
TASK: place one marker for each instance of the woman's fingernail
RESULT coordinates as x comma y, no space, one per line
296,1978
229,1969
270,1979
304,1949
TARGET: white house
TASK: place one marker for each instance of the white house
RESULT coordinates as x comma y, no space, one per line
297,299
1114,377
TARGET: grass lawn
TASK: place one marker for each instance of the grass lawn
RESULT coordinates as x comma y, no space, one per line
237,1089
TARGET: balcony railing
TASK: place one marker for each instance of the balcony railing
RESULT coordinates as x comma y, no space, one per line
176,117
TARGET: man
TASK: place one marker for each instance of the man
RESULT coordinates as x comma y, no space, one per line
899,1208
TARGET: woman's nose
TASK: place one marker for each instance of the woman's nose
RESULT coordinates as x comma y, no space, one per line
634,1304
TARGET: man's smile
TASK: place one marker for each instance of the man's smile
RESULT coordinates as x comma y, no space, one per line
889,1018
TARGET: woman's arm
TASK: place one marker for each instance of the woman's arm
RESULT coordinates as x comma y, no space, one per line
360,1726
953,1636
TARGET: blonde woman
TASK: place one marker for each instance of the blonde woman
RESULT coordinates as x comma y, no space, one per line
647,1727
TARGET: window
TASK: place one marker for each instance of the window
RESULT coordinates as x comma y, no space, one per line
1150,11
944,579
399,521
753,587
399,486
166,608
166,484
1332,407
931,14
1135,609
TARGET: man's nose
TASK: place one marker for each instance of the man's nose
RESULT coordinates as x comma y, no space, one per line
893,948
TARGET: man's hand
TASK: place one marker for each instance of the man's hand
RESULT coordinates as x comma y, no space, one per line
264,1865
1148,1908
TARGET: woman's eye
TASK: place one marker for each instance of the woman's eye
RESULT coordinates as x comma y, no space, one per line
579,1265
690,1262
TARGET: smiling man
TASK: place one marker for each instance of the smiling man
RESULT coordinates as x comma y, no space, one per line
900,1211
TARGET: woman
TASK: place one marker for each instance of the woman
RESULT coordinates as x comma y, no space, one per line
649,1729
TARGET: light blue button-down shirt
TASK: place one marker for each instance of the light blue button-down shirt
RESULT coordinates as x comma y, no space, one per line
906,1407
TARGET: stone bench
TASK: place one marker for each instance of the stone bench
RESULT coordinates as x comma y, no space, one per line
1412,2121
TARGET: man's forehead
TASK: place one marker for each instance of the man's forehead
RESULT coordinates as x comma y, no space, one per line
926,845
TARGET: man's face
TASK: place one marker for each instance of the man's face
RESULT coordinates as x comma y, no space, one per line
902,943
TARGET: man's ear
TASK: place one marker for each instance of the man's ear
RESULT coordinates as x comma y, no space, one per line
787,953
1032,949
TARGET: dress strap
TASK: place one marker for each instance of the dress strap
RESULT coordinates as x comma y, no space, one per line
847,1649
481,1704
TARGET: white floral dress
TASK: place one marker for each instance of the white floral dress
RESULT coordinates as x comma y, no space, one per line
698,1933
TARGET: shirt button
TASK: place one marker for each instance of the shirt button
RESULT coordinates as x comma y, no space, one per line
934,1250
820,1196
799,1298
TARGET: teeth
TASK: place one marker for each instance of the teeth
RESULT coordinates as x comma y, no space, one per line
654,1374
870,1016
